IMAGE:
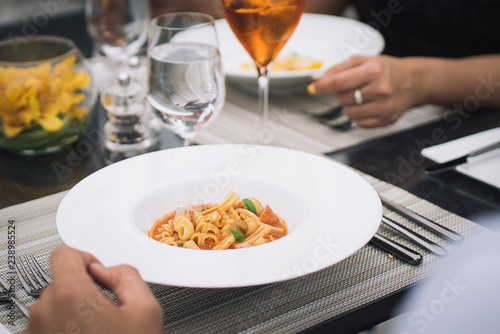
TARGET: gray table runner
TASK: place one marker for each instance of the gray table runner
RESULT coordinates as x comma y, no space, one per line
292,127
284,307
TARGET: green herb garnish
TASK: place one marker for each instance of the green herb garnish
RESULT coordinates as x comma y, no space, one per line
248,204
238,236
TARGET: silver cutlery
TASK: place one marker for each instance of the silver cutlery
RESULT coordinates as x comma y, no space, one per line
400,251
31,275
6,295
330,114
336,119
415,237
422,221
344,126
441,167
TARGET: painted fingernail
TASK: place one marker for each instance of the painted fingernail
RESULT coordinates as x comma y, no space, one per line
311,89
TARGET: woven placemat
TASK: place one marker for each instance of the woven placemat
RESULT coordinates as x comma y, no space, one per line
292,126
284,307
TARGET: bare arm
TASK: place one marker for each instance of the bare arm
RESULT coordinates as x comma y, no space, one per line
212,7
332,7
471,80
390,85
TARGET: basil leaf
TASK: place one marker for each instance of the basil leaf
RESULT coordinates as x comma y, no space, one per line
238,236
248,204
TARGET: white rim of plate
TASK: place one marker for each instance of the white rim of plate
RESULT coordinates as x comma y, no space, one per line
108,212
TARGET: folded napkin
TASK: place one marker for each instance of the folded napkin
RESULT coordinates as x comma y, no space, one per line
456,148
484,167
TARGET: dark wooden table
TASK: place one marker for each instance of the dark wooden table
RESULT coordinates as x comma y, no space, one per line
396,159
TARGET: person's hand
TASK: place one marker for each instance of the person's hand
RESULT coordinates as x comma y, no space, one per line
73,304
386,88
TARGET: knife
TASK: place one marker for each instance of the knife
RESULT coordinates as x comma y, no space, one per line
437,168
422,221
418,239
402,252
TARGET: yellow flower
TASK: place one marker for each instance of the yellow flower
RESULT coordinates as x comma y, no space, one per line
41,96
15,123
79,81
50,109
50,123
79,112
13,91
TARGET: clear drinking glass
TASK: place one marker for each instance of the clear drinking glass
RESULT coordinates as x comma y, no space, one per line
119,28
186,82
263,27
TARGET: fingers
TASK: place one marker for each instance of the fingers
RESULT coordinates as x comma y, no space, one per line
342,78
134,296
347,98
372,114
349,63
70,288
70,299
375,91
123,280
70,263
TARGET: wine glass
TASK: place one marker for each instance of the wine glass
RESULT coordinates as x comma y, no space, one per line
186,82
119,29
263,27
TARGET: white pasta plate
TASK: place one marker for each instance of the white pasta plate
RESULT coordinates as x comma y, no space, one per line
326,38
331,213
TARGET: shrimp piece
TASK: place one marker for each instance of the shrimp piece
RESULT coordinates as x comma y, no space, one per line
269,217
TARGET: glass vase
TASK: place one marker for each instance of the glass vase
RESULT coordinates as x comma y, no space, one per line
46,94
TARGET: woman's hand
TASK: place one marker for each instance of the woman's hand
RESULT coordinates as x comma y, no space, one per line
72,302
386,88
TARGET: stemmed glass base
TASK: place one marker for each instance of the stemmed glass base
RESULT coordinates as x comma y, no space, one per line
263,90
263,28
187,140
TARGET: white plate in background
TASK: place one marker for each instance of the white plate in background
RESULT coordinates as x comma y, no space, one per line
326,38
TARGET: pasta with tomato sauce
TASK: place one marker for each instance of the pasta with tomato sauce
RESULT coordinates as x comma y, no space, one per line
230,224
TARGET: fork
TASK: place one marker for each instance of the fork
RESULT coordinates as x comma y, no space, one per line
330,114
336,119
344,126
31,275
5,295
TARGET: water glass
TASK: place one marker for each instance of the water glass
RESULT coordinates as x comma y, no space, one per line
186,82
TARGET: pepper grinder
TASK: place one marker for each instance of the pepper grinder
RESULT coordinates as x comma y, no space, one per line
130,130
